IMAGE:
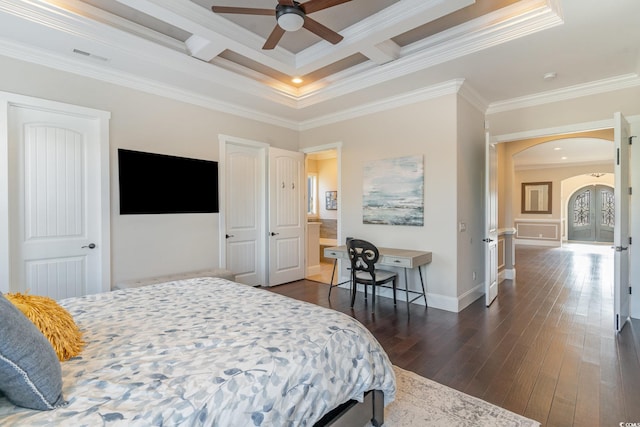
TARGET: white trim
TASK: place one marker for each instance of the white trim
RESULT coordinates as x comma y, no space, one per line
7,100
28,53
5,260
506,274
508,23
441,302
625,81
338,147
470,296
557,130
450,87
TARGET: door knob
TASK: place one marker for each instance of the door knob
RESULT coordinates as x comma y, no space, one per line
487,240
90,246
226,236
273,234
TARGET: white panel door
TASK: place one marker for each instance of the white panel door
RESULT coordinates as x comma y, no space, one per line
245,203
54,204
621,135
491,224
287,216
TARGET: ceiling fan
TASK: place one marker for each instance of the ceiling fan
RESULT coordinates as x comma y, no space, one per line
291,16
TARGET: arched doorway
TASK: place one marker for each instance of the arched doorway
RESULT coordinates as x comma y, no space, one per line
591,214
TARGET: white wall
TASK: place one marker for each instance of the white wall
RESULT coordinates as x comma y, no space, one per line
471,202
429,129
148,245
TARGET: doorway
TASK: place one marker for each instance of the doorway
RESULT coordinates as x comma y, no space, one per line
323,209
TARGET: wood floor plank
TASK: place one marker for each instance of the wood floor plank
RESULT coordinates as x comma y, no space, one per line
545,348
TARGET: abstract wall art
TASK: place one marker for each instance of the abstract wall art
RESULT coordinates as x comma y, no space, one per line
393,191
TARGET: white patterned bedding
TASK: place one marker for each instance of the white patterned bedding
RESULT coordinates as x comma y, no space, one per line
209,351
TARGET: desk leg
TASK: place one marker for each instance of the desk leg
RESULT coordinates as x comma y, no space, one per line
335,262
406,288
423,291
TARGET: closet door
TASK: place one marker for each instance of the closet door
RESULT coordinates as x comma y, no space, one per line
57,244
287,216
245,213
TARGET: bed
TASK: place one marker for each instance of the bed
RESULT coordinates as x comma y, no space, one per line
208,351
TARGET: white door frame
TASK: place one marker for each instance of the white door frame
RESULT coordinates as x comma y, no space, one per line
224,140
8,100
338,147
571,128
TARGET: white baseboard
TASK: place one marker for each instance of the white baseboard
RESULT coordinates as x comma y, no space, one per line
506,274
470,296
510,273
438,301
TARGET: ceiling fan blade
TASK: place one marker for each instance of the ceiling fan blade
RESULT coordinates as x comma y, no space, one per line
316,5
243,10
273,38
320,30
286,2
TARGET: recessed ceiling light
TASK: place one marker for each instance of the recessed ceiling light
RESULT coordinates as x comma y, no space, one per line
549,76
296,80
557,148
564,157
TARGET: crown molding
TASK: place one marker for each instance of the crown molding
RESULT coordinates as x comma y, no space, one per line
36,56
498,27
577,91
447,88
473,97
514,21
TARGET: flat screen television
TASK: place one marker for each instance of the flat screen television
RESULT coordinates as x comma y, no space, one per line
160,184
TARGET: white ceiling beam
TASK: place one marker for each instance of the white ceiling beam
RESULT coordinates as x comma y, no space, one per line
382,53
196,20
384,25
202,48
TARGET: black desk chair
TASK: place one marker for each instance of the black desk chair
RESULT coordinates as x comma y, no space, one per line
363,256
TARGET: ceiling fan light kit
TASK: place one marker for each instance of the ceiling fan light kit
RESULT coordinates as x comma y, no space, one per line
290,18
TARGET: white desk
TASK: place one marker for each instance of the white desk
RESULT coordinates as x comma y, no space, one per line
405,258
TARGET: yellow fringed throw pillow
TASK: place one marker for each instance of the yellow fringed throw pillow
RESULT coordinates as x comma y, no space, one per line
55,323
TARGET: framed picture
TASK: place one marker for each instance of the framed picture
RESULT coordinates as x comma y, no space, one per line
331,200
393,191
536,197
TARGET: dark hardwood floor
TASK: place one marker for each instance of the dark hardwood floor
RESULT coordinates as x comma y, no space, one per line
545,348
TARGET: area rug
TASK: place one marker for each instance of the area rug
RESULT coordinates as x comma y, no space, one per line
423,402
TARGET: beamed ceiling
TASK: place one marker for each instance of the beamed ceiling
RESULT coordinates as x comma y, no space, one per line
495,52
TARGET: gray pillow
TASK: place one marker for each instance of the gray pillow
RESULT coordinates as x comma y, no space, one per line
30,373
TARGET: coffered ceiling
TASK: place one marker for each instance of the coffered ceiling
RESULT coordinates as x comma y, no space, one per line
496,51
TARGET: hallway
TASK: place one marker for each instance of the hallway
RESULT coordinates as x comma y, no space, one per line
545,348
